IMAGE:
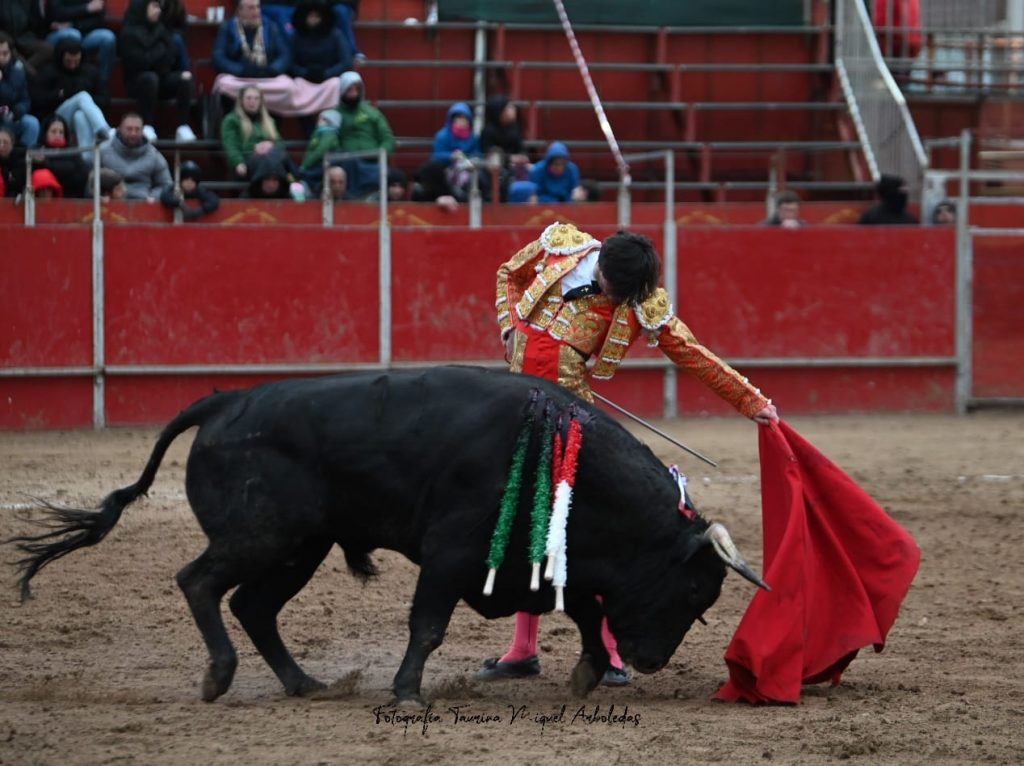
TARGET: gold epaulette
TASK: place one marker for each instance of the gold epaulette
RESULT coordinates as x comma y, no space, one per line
565,239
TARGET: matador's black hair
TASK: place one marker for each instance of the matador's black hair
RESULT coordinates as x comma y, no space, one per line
631,267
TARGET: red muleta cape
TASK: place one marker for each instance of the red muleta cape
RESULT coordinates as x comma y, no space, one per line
838,566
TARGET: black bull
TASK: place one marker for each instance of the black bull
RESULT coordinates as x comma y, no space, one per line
415,462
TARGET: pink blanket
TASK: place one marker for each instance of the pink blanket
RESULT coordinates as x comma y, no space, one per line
286,96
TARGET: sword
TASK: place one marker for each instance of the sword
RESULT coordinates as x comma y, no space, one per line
649,427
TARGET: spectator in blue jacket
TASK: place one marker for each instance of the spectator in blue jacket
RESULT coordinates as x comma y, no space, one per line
251,45
556,176
455,141
319,50
14,100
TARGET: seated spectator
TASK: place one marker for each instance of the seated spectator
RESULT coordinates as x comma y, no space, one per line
433,186
343,12
23,21
143,168
363,127
323,141
83,20
944,213
45,184
70,87
891,209
176,19
252,49
190,196
70,169
522,193
397,183
502,134
248,132
787,212
14,100
271,179
151,66
319,50
12,164
455,148
556,176
112,186
336,183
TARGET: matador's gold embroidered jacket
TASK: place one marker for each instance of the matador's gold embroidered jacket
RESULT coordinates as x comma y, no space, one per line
529,292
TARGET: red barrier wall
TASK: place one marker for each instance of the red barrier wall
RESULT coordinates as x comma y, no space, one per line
213,294
998,317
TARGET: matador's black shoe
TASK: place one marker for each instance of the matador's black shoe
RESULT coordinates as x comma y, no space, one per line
496,670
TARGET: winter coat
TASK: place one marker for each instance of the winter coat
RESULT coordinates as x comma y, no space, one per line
71,171
208,201
54,84
77,12
508,138
145,47
21,20
323,141
363,127
12,170
142,167
271,164
227,51
445,142
321,53
555,188
238,148
14,89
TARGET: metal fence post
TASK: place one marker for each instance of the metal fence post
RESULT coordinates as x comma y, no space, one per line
384,253
671,256
99,407
964,281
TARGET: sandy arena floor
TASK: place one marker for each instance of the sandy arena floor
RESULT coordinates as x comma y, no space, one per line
103,666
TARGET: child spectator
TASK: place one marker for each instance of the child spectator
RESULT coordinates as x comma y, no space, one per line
319,50
45,184
190,191
557,177
70,87
455,147
249,131
83,20
112,186
12,164
323,140
14,100
70,170
152,68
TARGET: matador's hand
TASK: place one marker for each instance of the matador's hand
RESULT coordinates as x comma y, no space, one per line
766,416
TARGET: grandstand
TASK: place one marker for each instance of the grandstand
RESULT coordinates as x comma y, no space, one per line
799,97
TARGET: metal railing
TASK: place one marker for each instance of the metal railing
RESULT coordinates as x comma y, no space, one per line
879,110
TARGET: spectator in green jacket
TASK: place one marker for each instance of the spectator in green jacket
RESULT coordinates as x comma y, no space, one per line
363,127
248,131
323,140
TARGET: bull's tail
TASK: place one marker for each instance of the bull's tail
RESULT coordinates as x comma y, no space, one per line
74,528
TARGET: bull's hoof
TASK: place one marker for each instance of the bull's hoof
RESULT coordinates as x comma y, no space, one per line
304,687
584,678
217,680
408,701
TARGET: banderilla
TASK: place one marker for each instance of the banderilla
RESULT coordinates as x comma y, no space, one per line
649,427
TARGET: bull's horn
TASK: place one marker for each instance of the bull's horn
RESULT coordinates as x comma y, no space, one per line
719,538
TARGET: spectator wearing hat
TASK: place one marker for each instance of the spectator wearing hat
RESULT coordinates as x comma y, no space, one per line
83,20
45,184
190,196
319,50
556,176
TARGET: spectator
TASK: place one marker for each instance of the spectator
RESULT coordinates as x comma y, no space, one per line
323,141
502,134
151,66
70,169
336,186
891,209
455,148
176,19
557,177
112,186
343,12
249,131
270,177
143,168
69,86
190,190
319,50
522,193
252,49
22,20
14,100
363,127
45,184
944,213
455,141
82,20
433,186
787,212
12,164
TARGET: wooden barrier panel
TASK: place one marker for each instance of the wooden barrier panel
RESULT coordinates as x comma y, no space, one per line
998,316
205,295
